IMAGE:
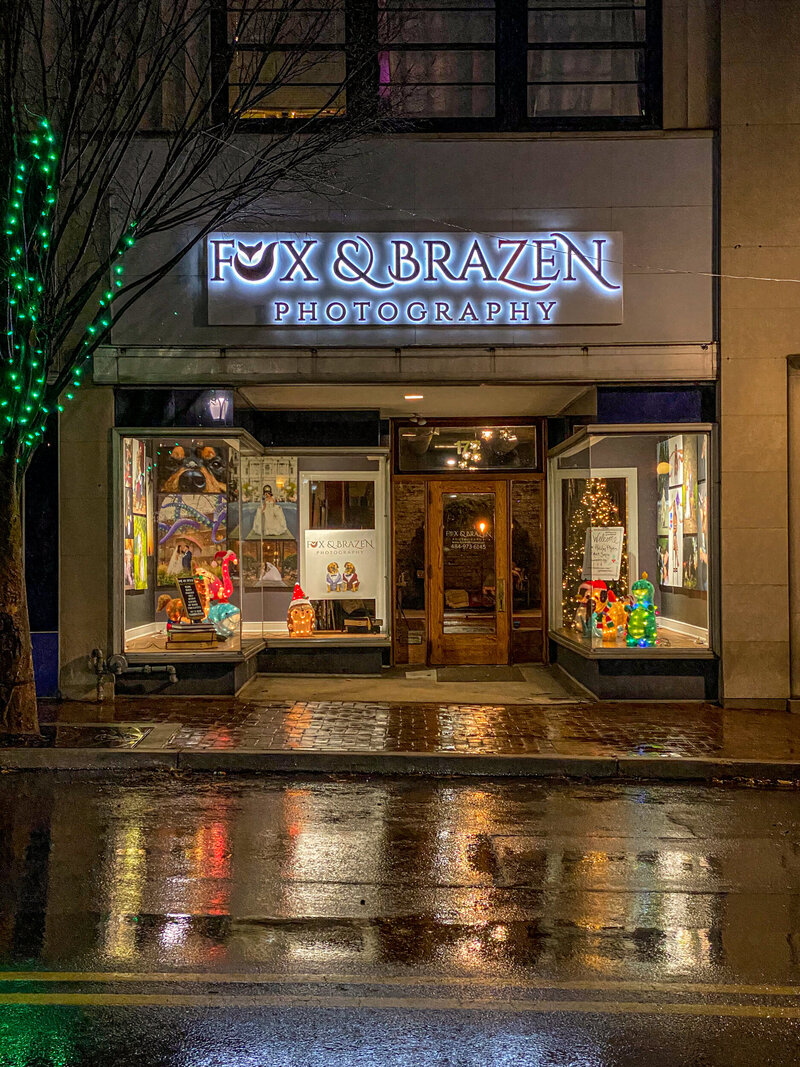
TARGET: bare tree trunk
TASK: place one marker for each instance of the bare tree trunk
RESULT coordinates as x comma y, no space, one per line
18,712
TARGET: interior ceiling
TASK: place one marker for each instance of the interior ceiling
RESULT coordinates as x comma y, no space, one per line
443,401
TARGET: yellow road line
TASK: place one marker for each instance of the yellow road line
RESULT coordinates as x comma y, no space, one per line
260,978
541,1007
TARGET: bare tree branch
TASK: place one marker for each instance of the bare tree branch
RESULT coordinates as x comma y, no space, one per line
152,127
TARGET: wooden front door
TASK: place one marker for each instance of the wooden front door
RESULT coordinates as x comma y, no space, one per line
468,569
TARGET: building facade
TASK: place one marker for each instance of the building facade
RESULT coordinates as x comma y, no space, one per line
471,396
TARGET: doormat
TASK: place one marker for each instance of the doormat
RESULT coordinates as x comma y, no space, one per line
479,674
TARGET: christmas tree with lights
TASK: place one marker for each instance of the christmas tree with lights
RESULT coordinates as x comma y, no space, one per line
595,509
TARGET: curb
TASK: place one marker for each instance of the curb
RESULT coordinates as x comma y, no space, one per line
84,759
707,768
421,763
652,768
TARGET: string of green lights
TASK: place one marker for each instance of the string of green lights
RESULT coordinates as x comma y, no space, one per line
26,399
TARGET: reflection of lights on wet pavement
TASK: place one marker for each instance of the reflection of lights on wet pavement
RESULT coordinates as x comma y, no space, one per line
686,950
471,948
506,881
41,1036
174,930
126,871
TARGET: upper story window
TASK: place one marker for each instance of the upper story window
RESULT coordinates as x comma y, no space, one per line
287,58
437,60
588,60
449,64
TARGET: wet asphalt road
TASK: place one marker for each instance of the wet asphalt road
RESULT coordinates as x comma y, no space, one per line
259,921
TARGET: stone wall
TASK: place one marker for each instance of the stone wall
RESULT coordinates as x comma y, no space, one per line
759,329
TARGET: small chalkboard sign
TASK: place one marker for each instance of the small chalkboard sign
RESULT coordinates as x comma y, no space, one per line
190,598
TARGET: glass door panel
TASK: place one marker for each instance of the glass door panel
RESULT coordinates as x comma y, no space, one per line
469,564
468,538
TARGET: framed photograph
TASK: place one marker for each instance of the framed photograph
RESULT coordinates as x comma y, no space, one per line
139,478
130,581
675,450
150,505
702,457
690,484
690,562
139,552
192,527
128,513
193,466
275,476
662,483
675,537
128,463
702,536
277,566
662,553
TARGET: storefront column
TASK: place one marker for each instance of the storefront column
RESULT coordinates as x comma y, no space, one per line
759,328
794,524
85,538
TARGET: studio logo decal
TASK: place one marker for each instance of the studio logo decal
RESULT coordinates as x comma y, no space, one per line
255,269
346,280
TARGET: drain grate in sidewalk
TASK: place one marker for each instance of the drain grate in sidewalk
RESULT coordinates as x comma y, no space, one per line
79,735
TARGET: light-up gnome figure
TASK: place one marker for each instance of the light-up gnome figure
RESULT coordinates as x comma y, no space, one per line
301,619
222,615
642,626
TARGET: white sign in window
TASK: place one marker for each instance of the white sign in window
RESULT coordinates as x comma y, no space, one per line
341,564
602,555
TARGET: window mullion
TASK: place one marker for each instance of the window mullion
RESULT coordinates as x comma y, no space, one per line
220,61
511,60
361,55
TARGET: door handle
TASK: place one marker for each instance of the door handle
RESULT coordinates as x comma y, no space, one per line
501,594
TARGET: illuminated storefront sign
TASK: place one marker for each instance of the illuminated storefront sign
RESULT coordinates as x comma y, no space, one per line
341,280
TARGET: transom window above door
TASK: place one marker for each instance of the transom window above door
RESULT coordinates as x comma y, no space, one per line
453,448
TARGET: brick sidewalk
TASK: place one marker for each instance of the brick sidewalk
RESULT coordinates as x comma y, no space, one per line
674,731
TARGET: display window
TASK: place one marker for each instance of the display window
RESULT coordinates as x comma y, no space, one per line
343,548
181,574
631,514
313,535
220,543
269,522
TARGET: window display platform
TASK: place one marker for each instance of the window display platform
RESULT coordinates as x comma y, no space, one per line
199,674
286,640
139,649
671,644
624,674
